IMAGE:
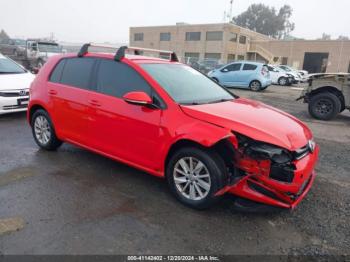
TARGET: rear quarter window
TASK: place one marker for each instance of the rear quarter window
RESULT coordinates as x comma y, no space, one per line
56,74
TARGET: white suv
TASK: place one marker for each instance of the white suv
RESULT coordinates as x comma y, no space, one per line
14,86
280,77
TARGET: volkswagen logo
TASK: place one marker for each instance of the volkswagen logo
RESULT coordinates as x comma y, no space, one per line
22,92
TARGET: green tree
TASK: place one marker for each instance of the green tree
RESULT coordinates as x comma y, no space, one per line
266,20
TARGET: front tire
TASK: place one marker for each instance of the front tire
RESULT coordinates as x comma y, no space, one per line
324,106
282,81
255,86
43,131
195,175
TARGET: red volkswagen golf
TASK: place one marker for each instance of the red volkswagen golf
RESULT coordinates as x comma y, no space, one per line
171,121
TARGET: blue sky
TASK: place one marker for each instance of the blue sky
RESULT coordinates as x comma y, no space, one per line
109,20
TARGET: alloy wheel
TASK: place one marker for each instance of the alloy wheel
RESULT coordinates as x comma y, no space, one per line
192,178
42,130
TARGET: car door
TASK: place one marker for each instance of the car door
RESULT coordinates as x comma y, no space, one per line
125,131
246,74
228,76
68,89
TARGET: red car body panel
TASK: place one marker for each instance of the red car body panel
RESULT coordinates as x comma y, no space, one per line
142,137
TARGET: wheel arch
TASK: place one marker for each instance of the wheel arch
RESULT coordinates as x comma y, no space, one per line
32,109
330,89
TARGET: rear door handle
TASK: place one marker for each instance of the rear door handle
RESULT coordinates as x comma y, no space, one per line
94,103
52,92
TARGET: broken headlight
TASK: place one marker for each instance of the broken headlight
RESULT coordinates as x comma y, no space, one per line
261,151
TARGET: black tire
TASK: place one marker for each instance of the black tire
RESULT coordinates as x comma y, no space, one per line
255,86
53,142
214,165
283,81
324,106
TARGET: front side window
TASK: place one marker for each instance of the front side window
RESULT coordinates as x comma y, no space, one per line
7,66
193,36
214,36
186,85
249,67
50,48
232,68
138,37
116,79
165,36
77,72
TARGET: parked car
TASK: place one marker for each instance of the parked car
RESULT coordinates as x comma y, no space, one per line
327,95
15,47
171,121
14,86
303,73
280,77
206,65
297,77
244,74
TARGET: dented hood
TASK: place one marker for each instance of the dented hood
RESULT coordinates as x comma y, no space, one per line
255,120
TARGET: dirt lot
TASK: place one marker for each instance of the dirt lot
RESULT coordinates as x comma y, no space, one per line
76,202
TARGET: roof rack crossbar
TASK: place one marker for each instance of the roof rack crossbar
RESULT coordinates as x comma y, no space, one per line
121,51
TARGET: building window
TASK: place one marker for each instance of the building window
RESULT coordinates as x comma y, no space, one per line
165,36
216,56
240,57
231,58
164,55
214,36
242,39
193,36
191,58
138,37
284,61
233,37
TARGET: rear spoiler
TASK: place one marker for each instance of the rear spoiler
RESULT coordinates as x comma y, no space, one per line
120,54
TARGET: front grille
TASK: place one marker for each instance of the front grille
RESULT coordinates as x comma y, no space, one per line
13,93
282,172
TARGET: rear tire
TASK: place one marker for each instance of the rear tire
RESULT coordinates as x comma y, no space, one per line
43,131
324,106
196,184
255,86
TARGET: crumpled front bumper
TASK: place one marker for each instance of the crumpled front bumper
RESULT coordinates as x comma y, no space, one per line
259,187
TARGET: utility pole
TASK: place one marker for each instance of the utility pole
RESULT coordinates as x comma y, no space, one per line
230,15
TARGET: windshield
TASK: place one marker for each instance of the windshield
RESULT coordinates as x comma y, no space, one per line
285,68
20,42
9,67
50,48
186,85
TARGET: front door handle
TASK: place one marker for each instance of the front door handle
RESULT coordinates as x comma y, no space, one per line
94,103
52,92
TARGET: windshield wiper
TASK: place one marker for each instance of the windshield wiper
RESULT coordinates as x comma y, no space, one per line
220,100
190,103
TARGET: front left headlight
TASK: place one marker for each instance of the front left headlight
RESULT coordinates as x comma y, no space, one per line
263,151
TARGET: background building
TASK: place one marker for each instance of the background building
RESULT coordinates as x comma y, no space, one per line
227,42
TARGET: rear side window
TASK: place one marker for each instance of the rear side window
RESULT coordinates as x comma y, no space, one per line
249,67
77,72
117,79
57,72
232,67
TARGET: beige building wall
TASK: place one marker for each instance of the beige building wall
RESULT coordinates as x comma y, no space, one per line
338,59
257,46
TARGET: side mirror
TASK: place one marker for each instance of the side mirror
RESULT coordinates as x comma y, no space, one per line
138,98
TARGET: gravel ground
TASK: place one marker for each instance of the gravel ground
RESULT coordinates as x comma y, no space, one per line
76,202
